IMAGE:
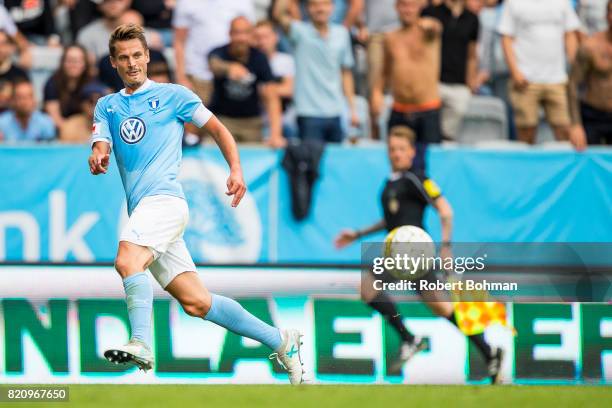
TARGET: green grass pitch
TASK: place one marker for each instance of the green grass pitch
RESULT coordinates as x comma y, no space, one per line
323,396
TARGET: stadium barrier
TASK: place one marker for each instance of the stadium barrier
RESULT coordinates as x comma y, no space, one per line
55,323
52,209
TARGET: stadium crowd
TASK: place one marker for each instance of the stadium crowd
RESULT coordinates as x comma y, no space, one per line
331,70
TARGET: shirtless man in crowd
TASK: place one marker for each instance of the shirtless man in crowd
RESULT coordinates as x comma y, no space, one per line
412,70
592,116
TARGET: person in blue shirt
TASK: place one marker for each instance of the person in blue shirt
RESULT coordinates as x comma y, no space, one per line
25,123
324,85
143,125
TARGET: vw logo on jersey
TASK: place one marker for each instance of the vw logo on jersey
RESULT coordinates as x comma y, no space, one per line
132,130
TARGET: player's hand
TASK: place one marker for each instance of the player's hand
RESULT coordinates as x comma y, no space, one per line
98,163
345,238
577,137
236,187
237,71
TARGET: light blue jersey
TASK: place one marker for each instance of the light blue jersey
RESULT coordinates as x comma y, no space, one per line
145,131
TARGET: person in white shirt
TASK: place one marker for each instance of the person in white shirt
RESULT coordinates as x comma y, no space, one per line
199,27
539,39
94,36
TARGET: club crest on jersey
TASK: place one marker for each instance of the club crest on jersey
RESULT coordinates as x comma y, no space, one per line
153,103
132,130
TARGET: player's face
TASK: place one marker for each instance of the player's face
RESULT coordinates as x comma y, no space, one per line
409,11
265,39
130,61
401,153
320,11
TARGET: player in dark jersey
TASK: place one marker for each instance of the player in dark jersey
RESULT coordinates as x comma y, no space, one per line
406,195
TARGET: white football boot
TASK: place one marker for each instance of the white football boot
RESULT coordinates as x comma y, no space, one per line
407,351
288,355
134,352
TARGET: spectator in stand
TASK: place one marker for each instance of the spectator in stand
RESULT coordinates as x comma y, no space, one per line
380,18
107,74
458,77
24,122
9,73
77,128
35,20
62,90
94,36
8,26
199,27
538,39
243,78
324,80
412,71
157,16
592,116
283,70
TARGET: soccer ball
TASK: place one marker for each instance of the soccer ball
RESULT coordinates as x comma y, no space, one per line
415,250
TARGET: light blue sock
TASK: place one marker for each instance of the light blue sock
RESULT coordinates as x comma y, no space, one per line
230,314
139,298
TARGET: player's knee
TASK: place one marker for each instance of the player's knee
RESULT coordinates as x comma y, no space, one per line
197,307
124,266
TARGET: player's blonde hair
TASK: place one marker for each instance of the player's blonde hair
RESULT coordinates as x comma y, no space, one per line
126,32
403,132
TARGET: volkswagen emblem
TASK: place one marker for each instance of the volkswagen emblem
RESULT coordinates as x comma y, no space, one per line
132,130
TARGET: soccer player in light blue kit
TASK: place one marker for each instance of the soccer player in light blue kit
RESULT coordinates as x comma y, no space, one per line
143,125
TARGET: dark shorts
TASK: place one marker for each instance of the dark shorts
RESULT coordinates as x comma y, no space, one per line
425,124
321,129
597,124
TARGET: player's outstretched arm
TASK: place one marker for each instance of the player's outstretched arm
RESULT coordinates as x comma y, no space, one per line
235,183
99,158
347,237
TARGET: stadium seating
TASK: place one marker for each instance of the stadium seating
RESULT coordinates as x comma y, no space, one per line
485,119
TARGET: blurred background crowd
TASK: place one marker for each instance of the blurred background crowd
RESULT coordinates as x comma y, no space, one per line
522,70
